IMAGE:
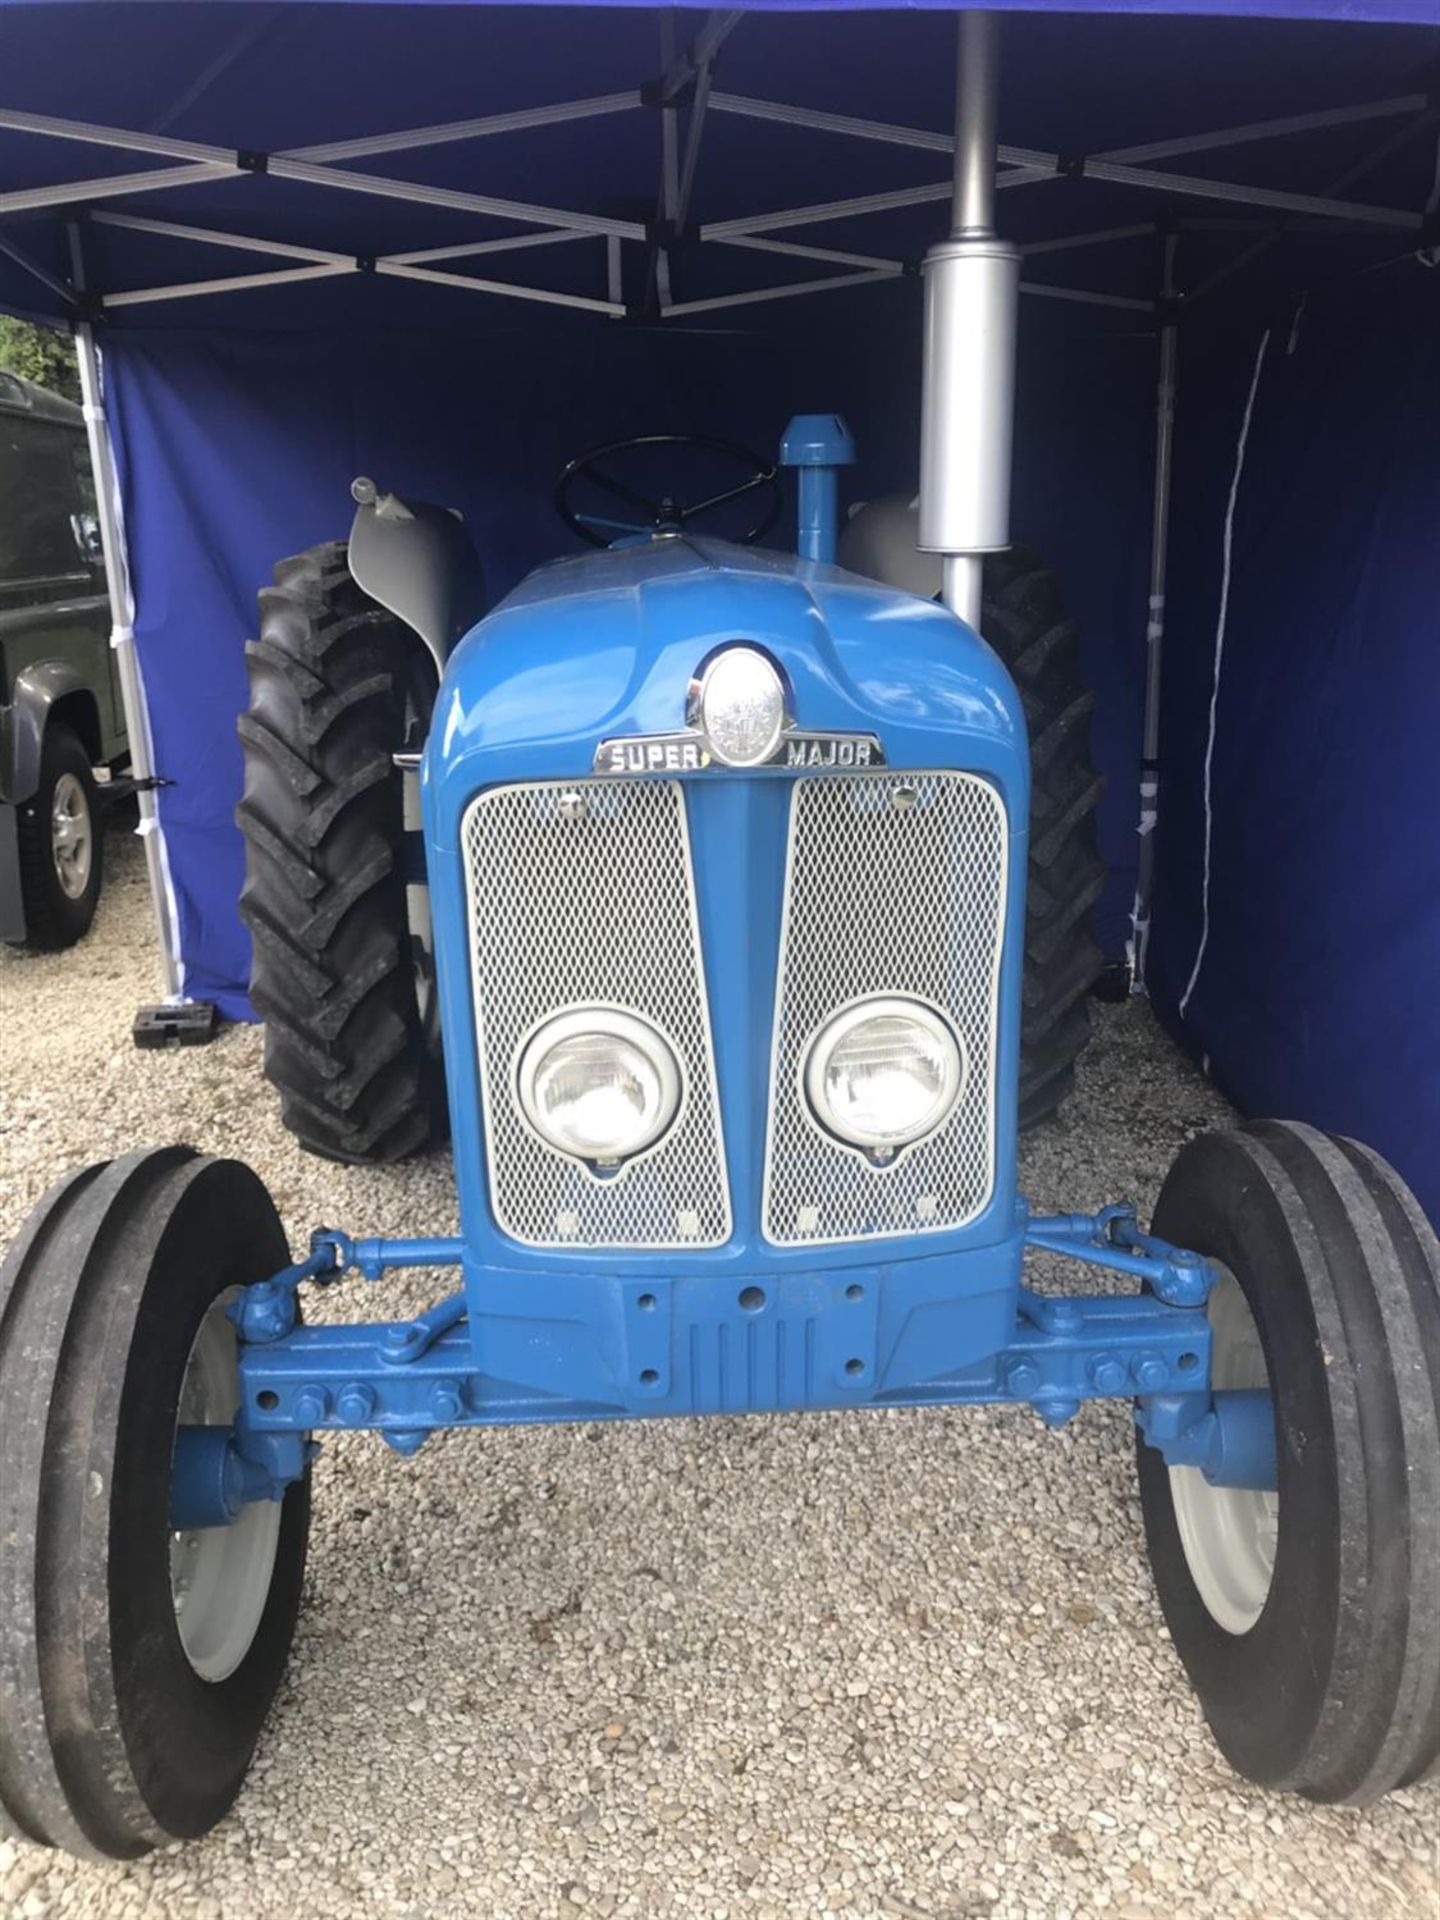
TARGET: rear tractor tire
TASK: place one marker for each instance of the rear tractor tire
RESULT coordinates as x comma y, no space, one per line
341,971
1023,619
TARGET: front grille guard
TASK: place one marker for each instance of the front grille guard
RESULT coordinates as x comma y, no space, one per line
584,892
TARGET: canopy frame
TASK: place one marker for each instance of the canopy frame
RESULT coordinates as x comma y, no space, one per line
685,84
982,167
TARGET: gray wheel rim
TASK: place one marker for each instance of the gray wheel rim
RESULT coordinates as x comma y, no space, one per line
220,1576
72,835
1229,1534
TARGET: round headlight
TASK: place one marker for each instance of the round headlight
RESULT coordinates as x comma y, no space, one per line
740,707
884,1073
599,1084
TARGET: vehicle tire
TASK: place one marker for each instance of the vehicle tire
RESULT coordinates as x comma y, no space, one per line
123,1727
61,845
1309,1619
337,688
1024,621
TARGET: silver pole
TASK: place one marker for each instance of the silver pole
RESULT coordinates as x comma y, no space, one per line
971,287
1155,626
122,638
977,87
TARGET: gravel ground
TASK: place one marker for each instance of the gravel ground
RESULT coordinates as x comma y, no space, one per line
899,1664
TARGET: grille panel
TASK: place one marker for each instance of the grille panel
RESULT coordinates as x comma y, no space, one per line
884,898
582,893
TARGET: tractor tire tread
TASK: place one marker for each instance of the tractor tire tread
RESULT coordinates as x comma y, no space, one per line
325,895
1024,621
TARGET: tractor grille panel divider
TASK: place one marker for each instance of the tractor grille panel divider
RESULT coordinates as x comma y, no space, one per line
896,886
583,893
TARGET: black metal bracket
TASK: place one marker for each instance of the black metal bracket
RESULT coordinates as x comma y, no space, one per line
189,1023
124,785
655,93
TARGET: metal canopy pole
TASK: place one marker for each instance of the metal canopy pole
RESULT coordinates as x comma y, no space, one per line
1155,623
971,289
122,639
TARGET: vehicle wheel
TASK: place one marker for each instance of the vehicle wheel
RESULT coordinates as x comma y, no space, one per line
1309,1620
1024,621
60,845
340,973
136,1666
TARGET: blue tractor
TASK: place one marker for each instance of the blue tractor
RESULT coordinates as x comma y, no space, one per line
726,860
720,911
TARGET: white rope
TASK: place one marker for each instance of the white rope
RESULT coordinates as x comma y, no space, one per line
1219,656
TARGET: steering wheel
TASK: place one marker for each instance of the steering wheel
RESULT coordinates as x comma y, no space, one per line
664,515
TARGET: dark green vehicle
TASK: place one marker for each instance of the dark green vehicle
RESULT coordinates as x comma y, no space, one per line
61,720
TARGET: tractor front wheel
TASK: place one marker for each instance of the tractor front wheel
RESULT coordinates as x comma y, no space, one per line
137,1663
1309,1618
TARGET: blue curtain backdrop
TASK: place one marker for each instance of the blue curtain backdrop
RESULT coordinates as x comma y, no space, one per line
1318,994
241,420
240,448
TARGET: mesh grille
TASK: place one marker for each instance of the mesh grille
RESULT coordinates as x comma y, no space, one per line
896,885
582,893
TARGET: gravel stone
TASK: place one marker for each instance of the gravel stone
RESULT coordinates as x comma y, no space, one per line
901,1663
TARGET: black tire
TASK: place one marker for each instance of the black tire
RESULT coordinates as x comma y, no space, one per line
110,1741
1334,1691
54,917
1024,621
334,975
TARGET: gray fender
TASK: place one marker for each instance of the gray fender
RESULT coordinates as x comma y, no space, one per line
419,563
23,722
879,539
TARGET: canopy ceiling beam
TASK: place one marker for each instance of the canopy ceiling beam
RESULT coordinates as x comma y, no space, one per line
248,243
398,270
826,210
1186,183
1397,138
792,249
454,130
511,243
1405,103
1099,236
1113,167
37,272
326,264
924,140
213,162
679,73
692,73
214,237
79,193
229,283
1085,298
758,294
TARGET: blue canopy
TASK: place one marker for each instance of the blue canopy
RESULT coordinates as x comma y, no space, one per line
380,317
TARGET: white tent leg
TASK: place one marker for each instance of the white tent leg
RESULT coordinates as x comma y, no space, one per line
122,640
1155,627
971,286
